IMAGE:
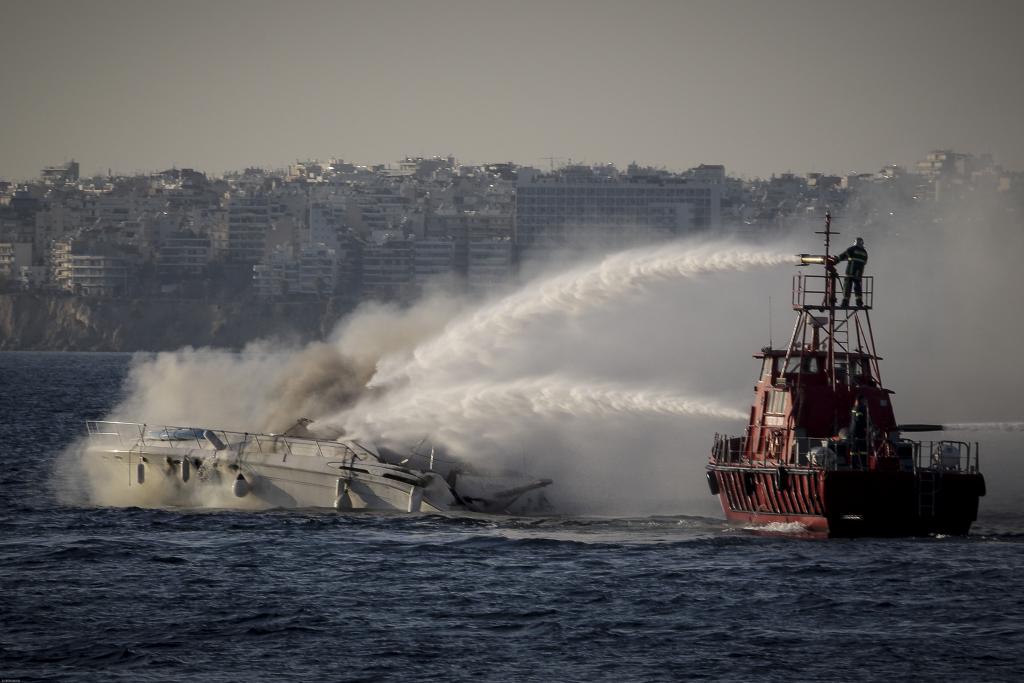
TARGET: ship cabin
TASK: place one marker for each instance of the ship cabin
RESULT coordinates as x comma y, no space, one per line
801,402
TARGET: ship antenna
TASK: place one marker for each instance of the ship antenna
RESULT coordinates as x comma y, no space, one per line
830,296
770,344
827,232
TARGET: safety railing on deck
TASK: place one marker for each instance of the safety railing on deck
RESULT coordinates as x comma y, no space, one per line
811,291
129,435
903,454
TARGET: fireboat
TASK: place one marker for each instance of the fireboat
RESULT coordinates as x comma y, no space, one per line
823,449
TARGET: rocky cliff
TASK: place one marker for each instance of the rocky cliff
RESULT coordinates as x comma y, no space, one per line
57,322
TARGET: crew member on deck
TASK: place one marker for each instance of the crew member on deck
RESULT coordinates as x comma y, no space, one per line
859,432
856,258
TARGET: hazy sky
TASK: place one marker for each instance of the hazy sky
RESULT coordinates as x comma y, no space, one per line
761,86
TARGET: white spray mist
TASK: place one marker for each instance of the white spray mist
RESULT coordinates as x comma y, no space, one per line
595,375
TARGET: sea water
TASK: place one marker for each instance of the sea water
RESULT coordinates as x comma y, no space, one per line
169,594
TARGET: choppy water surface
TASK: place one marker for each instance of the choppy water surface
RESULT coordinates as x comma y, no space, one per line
131,594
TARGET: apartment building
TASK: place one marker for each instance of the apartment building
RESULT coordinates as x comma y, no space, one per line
250,219
489,264
579,203
387,268
183,254
432,258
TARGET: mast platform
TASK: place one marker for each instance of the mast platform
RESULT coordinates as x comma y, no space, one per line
812,293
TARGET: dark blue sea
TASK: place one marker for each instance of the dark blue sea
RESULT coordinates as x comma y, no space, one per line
101,594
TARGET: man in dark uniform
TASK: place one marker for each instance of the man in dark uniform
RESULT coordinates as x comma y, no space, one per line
856,258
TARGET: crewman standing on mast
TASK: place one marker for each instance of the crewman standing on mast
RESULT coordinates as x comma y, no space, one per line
856,258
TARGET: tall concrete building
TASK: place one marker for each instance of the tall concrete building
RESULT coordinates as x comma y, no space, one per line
96,274
489,264
387,268
249,221
318,270
578,203
432,258
183,254
62,173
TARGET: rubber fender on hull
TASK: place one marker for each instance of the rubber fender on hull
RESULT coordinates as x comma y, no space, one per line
140,473
712,483
186,470
342,501
241,487
749,484
782,479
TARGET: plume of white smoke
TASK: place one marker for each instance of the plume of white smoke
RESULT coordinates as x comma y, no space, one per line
576,374
477,336
267,386
611,374
586,375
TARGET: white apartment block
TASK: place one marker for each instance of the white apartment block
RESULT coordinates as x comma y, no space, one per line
318,270
387,269
249,221
432,258
313,274
552,210
184,254
489,264
276,276
98,275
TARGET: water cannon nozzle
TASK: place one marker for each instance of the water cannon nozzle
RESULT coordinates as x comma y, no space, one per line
920,428
811,260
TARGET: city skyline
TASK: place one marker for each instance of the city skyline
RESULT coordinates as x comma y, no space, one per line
759,87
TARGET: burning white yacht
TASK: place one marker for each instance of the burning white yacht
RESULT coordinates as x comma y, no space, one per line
144,465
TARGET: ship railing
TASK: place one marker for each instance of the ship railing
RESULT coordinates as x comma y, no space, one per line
833,454
728,449
946,456
812,291
133,435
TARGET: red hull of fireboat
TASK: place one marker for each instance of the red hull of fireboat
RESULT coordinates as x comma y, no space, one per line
851,503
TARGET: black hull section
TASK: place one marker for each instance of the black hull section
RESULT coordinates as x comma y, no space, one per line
851,503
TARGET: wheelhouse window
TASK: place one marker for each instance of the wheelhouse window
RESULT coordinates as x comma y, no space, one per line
797,364
776,403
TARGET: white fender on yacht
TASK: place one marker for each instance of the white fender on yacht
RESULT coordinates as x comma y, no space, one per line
240,487
341,499
415,498
140,472
186,469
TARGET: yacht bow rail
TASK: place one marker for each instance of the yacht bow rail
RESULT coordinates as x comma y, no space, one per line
132,435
